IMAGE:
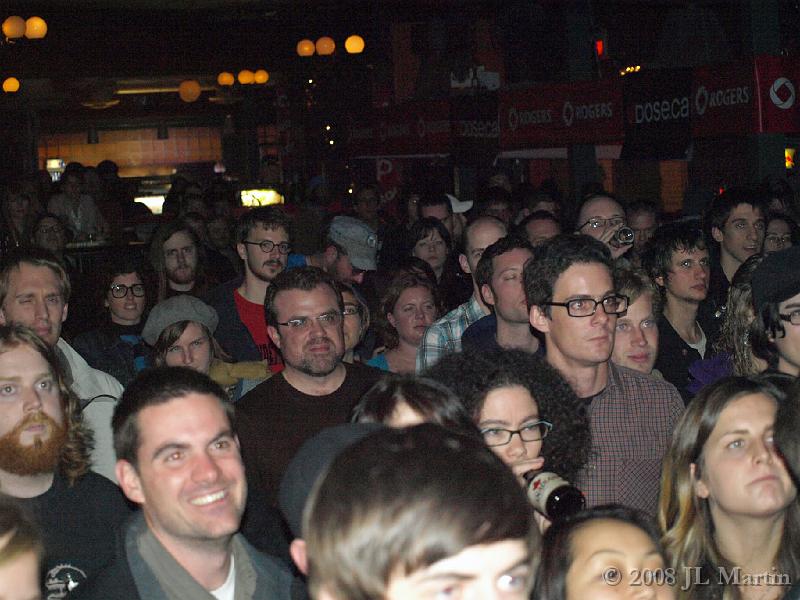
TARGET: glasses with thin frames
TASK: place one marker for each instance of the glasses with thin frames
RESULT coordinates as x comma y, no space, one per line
614,304
267,246
597,223
779,240
120,290
326,320
532,432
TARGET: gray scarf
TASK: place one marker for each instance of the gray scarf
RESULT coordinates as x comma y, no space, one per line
158,575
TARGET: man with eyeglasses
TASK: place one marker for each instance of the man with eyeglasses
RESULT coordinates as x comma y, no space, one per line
601,216
35,291
573,303
315,389
263,244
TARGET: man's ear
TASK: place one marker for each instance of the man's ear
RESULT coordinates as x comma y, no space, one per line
538,319
3,320
274,335
297,550
487,295
331,255
716,233
129,481
700,488
241,250
64,313
462,262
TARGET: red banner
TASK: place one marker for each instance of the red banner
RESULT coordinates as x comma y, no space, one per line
777,109
561,114
723,100
406,129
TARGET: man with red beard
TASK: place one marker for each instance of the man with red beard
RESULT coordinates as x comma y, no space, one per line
315,390
262,236
44,464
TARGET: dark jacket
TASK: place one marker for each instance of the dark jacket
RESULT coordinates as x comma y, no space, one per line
231,333
105,351
117,580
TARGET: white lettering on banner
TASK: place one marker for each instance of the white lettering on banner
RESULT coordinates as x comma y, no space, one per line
662,110
586,112
478,129
775,93
432,127
703,99
527,117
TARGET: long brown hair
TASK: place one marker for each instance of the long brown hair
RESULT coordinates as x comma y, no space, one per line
75,458
686,519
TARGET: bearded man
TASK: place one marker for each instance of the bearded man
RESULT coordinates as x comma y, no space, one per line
44,464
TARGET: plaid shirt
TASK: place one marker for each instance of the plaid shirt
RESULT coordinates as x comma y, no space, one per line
444,336
632,421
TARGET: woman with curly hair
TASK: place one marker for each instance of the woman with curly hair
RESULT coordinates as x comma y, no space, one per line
734,351
527,413
728,507
408,307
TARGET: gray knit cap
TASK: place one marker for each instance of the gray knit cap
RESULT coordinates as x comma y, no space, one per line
174,310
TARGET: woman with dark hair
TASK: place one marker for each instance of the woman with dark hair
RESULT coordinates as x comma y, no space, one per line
406,400
781,232
430,241
527,413
409,306
604,552
17,215
116,346
728,506
181,331
355,322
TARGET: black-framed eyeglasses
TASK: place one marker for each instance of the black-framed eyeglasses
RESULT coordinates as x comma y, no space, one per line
792,317
267,246
597,222
532,432
328,319
614,304
120,290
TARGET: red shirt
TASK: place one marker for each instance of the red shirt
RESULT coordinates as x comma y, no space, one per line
252,315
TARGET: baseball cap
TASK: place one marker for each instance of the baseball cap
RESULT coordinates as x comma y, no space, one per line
358,240
459,206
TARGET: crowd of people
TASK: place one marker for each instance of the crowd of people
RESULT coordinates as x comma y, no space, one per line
249,415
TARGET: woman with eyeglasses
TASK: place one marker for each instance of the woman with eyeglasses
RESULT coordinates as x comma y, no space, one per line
781,232
180,331
116,346
526,412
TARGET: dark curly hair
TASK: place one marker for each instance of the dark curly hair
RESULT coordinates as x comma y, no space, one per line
472,375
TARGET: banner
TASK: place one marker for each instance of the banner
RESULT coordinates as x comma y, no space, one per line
588,112
475,128
723,100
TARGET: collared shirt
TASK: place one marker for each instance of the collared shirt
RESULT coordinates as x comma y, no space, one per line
632,421
444,336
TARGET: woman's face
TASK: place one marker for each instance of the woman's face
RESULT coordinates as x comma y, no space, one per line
18,206
512,408
740,473
432,249
778,236
352,322
413,313
128,309
607,556
192,349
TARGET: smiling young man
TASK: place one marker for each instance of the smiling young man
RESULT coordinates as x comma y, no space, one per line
676,258
178,458
574,304
419,513
314,390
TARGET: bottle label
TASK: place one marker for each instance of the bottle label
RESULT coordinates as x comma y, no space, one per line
540,488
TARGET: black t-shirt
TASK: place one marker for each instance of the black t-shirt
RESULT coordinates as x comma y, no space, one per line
274,419
79,526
